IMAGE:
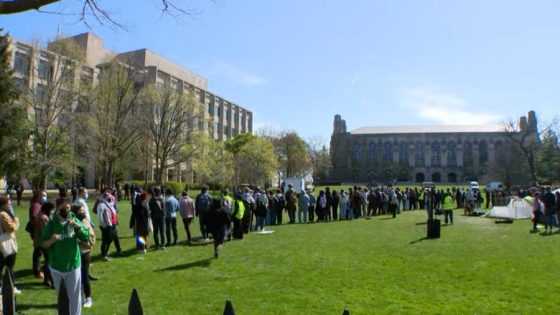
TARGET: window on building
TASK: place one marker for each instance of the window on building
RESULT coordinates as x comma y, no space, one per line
403,153
419,156
451,154
436,153
21,63
499,149
371,154
357,152
467,153
387,152
483,152
21,84
44,70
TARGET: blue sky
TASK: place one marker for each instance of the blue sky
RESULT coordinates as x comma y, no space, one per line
297,63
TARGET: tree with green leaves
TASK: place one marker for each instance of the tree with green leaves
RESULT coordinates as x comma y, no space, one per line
13,118
114,117
254,160
548,158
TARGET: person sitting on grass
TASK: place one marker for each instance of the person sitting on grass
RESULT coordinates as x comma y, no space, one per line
60,237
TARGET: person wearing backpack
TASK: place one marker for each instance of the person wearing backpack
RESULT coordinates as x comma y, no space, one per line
261,208
156,212
202,204
321,206
291,204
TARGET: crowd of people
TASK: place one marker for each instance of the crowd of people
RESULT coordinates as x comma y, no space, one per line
63,232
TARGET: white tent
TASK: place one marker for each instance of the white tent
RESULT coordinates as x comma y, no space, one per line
517,208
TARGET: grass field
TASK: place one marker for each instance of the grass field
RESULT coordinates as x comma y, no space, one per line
378,266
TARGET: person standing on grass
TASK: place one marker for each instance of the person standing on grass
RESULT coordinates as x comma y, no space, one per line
111,199
291,203
156,212
303,207
202,204
261,201
280,205
343,204
217,222
187,211
85,251
41,221
60,237
238,213
271,208
81,198
549,201
140,222
39,197
9,224
171,209
321,206
537,211
19,192
104,215
448,205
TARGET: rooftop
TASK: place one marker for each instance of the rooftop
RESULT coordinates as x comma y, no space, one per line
428,129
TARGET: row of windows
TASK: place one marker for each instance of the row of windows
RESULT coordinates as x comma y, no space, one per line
386,151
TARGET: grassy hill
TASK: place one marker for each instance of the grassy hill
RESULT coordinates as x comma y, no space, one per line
378,266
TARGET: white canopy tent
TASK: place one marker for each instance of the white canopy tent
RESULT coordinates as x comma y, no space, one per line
518,208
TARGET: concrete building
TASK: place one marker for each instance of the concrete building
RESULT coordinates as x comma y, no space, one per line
448,154
32,65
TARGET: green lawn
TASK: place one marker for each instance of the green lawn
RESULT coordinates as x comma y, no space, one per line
378,266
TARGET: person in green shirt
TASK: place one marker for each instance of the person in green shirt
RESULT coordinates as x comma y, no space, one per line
60,237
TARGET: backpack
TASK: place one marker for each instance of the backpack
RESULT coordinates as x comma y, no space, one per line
202,203
280,201
261,206
293,198
323,201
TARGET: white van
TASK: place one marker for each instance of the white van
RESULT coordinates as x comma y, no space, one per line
474,185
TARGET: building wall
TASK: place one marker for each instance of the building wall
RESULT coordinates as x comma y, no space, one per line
413,157
228,118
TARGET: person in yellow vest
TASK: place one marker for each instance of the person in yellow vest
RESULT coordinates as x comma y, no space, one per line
237,216
228,204
448,206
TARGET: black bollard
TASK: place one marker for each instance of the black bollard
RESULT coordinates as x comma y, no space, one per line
63,301
346,312
8,297
228,310
134,306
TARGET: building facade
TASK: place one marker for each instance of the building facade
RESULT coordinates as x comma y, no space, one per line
449,154
32,65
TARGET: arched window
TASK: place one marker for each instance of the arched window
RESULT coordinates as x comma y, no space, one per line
436,154
403,153
467,153
499,152
419,156
372,152
388,152
483,152
357,152
451,154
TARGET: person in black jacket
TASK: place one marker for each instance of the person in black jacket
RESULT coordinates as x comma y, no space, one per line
156,213
217,223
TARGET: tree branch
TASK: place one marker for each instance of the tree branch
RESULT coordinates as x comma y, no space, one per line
16,6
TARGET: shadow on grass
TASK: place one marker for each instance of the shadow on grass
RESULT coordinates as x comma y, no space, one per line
422,239
422,223
26,307
123,254
22,273
389,218
204,263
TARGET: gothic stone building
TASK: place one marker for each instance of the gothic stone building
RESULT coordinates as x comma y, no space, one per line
449,154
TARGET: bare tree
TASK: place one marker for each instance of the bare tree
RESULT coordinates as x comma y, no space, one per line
50,94
113,117
176,121
527,138
320,158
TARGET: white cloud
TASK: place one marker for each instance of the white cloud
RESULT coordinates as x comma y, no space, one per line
236,74
444,108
